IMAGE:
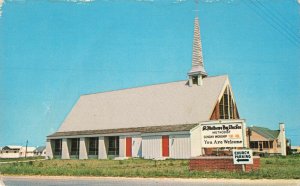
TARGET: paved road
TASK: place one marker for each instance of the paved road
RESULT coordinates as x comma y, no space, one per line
76,181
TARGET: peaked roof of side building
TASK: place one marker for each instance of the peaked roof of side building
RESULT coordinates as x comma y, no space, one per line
12,147
156,105
265,132
40,149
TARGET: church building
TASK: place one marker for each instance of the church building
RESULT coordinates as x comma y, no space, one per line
152,122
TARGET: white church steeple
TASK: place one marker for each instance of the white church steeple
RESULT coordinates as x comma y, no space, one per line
197,73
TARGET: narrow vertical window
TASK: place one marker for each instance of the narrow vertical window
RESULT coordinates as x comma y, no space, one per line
75,147
226,105
113,145
93,146
221,108
227,108
57,147
230,106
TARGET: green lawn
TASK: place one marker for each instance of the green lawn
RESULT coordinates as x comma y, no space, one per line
20,159
271,168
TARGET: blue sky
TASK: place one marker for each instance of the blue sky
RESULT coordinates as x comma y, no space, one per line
53,51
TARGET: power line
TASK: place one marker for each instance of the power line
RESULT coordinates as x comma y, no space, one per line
281,17
278,20
270,22
277,24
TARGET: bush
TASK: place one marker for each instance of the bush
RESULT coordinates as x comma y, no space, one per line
268,162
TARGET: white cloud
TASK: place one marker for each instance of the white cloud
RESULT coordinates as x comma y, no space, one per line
146,1
77,1
47,108
179,1
210,1
216,1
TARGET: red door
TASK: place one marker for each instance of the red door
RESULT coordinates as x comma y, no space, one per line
128,147
165,146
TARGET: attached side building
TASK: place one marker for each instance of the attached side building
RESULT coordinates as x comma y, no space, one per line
266,141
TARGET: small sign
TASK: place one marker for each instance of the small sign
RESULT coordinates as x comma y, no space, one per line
244,156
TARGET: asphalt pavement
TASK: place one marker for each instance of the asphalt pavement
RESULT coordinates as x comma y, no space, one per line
115,181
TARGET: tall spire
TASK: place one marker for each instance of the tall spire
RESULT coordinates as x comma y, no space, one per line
197,72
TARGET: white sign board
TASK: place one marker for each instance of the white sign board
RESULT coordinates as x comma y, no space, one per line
222,135
242,156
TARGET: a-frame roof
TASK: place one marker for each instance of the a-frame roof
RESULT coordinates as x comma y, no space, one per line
156,105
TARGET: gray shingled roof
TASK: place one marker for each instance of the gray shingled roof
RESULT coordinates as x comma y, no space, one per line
197,59
155,105
151,129
12,147
265,132
40,149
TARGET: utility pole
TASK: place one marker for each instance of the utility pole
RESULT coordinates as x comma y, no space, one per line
26,149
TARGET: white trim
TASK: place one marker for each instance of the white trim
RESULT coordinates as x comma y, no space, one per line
125,134
224,121
195,128
95,135
165,133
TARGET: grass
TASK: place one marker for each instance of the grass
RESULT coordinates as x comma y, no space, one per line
20,159
271,168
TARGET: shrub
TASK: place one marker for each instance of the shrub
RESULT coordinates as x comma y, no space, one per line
268,162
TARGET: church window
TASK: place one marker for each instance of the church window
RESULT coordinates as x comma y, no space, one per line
57,147
93,146
221,109
226,113
75,146
113,145
231,105
195,80
226,105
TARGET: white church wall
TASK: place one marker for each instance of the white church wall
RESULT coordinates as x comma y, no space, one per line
152,147
65,145
122,145
136,146
196,147
49,149
102,154
179,146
